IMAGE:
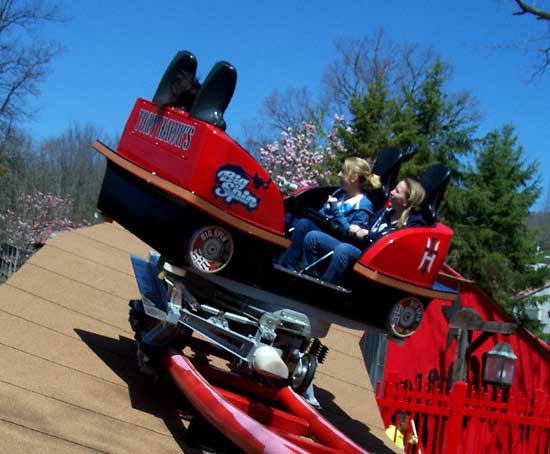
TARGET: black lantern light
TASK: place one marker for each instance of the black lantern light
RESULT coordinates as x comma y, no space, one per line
500,365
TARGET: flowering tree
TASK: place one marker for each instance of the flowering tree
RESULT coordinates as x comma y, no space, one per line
34,217
304,155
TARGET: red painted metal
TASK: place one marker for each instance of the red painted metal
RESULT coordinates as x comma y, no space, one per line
308,445
321,429
241,429
270,426
266,414
457,402
233,381
430,353
421,252
190,153
316,425
192,156
467,420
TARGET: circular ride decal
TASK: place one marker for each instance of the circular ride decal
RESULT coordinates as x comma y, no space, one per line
405,316
211,249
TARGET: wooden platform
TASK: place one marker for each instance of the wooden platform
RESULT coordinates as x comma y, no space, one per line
68,378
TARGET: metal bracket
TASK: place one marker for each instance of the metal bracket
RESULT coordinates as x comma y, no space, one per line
235,343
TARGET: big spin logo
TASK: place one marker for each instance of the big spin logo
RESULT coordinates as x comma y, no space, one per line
232,182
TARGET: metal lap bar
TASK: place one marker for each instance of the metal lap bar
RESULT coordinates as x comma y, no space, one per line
307,268
231,341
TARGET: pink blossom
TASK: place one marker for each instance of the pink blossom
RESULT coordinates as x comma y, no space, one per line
36,216
302,154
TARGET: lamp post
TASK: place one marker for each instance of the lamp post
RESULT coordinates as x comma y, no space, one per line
464,322
500,365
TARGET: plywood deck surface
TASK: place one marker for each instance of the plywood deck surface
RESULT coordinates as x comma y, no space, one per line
68,378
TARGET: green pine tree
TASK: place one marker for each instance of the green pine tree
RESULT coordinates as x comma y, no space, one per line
443,122
488,203
492,243
373,114
439,125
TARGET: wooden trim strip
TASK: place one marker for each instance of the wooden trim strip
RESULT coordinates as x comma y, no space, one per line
452,278
405,286
189,197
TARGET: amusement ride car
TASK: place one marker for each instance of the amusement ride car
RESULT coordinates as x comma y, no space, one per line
216,220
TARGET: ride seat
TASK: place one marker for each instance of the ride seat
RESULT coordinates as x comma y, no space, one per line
215,94
412,243
178,86
387,166
434,180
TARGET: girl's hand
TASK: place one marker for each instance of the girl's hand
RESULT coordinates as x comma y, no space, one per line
361,233
353,228
332,199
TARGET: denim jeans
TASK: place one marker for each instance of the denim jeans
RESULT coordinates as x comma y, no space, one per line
293,254
317,244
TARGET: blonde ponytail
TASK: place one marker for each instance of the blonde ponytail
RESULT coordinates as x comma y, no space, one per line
359,168
372,182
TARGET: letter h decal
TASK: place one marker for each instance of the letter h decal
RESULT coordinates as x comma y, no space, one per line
430,253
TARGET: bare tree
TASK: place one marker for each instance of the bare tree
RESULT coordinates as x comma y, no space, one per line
541,222
540,44
281,110
70,168
289,107
24,56
360,61
355,66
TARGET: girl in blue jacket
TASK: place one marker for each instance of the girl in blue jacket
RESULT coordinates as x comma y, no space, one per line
347,206
405,201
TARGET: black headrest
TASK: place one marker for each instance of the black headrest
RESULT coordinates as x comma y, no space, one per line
387,165
434,180
214,95
178,86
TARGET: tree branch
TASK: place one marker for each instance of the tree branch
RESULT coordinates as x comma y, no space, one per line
530,9
24,57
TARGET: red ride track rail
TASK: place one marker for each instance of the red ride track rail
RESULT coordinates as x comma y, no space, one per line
223,410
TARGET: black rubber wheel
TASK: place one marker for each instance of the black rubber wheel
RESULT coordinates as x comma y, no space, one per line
300,380
140,323
137,317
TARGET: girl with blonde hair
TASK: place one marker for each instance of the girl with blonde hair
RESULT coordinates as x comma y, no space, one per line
403,211
360,169
347,206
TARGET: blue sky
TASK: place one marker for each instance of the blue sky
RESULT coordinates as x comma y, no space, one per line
116,51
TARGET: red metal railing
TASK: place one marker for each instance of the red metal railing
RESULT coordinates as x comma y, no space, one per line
465,420
254,426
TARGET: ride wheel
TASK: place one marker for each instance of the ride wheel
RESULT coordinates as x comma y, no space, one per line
141,323
303,373
405,316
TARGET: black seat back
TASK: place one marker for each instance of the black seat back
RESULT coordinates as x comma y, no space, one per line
178,86
214,95
387,165
434,180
